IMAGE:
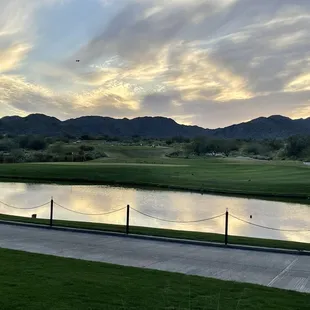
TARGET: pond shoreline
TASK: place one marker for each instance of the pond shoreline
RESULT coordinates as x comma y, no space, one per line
158,208
289,198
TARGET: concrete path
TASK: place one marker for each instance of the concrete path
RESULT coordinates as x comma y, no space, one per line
284,271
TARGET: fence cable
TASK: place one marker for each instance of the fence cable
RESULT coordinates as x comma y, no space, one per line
266,227
181,222
90,214
157,218
31,208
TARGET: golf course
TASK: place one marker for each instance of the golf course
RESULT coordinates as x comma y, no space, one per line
93,285
150,167
154,155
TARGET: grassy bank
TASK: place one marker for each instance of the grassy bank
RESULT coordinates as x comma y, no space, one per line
287,180
191,235
33,281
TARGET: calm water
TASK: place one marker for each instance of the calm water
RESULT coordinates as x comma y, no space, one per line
169,205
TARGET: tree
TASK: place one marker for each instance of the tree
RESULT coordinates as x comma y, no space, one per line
85,137
36,144
23,141
296,145
86,148
227,146
256,148
7,145
273,144
204,145
18,156
57,148
199,146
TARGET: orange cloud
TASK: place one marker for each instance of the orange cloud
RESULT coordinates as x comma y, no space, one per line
198,78
12,56
300,83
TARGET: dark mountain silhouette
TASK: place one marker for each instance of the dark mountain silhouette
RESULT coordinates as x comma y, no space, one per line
158,127
275,126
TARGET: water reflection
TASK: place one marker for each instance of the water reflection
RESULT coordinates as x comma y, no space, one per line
169,205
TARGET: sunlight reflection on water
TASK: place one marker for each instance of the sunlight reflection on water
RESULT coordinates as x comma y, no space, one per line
171,205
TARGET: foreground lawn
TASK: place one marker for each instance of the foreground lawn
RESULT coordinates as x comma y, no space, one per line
227,176
191,235
32,281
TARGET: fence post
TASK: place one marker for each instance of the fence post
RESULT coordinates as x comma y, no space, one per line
51,213
127,221
226,227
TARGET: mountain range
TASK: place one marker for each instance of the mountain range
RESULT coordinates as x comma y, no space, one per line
275,126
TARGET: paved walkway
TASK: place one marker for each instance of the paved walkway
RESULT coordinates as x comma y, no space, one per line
284,271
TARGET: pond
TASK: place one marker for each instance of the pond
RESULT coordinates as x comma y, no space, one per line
168,205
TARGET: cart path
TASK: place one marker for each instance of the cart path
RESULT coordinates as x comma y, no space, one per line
285,271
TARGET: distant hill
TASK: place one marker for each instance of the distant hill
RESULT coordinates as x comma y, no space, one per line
275,126
157,127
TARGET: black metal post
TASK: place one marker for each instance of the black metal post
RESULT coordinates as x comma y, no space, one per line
51,214
127,222
226,227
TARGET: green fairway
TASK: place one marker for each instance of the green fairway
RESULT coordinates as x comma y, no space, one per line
33,281
127,152
149,231
227,176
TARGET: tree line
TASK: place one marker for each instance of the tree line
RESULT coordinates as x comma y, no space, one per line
294,148
34,148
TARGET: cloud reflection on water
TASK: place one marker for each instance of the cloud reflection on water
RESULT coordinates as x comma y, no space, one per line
180,206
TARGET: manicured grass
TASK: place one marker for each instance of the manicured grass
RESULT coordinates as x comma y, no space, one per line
191,235
33,281
127,152
112,150
288,180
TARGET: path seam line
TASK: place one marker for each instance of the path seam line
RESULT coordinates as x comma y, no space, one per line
282,272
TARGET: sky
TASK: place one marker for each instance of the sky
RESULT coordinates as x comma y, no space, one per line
210,63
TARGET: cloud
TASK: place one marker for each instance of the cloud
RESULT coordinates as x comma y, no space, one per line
196,77
145,38
14,90
15,33
210,62
160,103
217,114
11,57
17,30
302,112
15,16
143,28
274,47
30,98
300,83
